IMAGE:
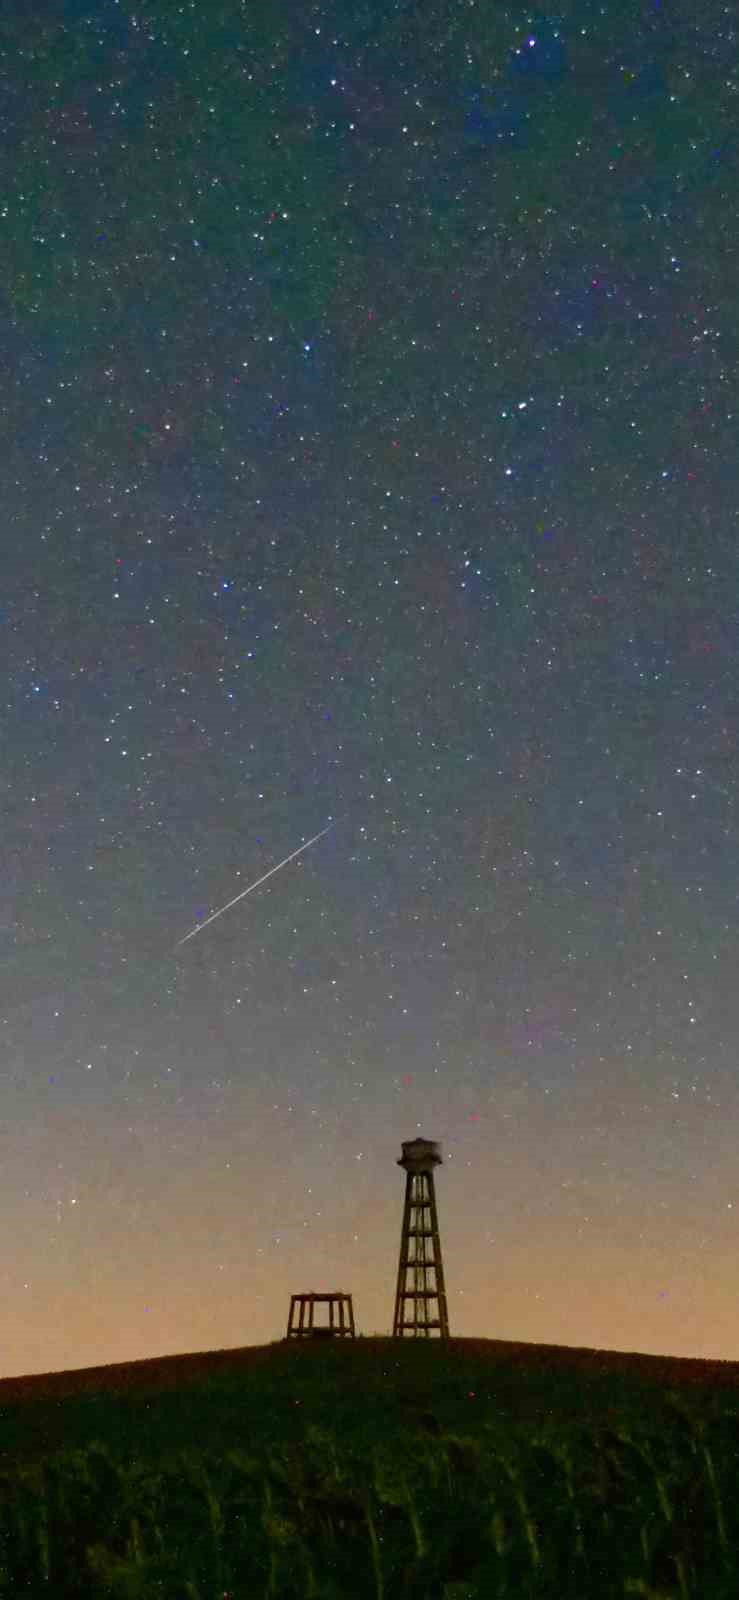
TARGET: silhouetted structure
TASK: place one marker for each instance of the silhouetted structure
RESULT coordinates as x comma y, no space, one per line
300,1328
420,1248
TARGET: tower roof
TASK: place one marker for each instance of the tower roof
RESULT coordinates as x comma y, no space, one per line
420,1155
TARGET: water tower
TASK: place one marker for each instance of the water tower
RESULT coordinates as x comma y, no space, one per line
420,1305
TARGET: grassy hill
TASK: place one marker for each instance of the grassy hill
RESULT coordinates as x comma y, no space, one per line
377,1468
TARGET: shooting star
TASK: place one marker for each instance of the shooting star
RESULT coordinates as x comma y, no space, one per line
253,886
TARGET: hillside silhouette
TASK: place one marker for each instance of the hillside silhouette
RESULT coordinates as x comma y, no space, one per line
391,1469
167,1372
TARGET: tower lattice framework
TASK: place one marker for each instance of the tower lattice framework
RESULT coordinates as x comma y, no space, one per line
420,1297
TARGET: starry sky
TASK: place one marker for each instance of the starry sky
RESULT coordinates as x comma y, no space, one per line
369,425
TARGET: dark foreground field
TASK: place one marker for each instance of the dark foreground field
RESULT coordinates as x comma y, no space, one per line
391,1470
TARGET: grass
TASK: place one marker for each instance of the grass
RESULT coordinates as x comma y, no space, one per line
377,1468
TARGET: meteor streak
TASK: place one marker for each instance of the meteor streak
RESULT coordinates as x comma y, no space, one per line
252,886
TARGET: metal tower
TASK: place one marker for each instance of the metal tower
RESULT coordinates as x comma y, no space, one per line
420,1248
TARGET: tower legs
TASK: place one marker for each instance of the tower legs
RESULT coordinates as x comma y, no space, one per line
420,1296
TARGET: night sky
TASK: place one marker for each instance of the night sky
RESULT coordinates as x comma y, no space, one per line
369,456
